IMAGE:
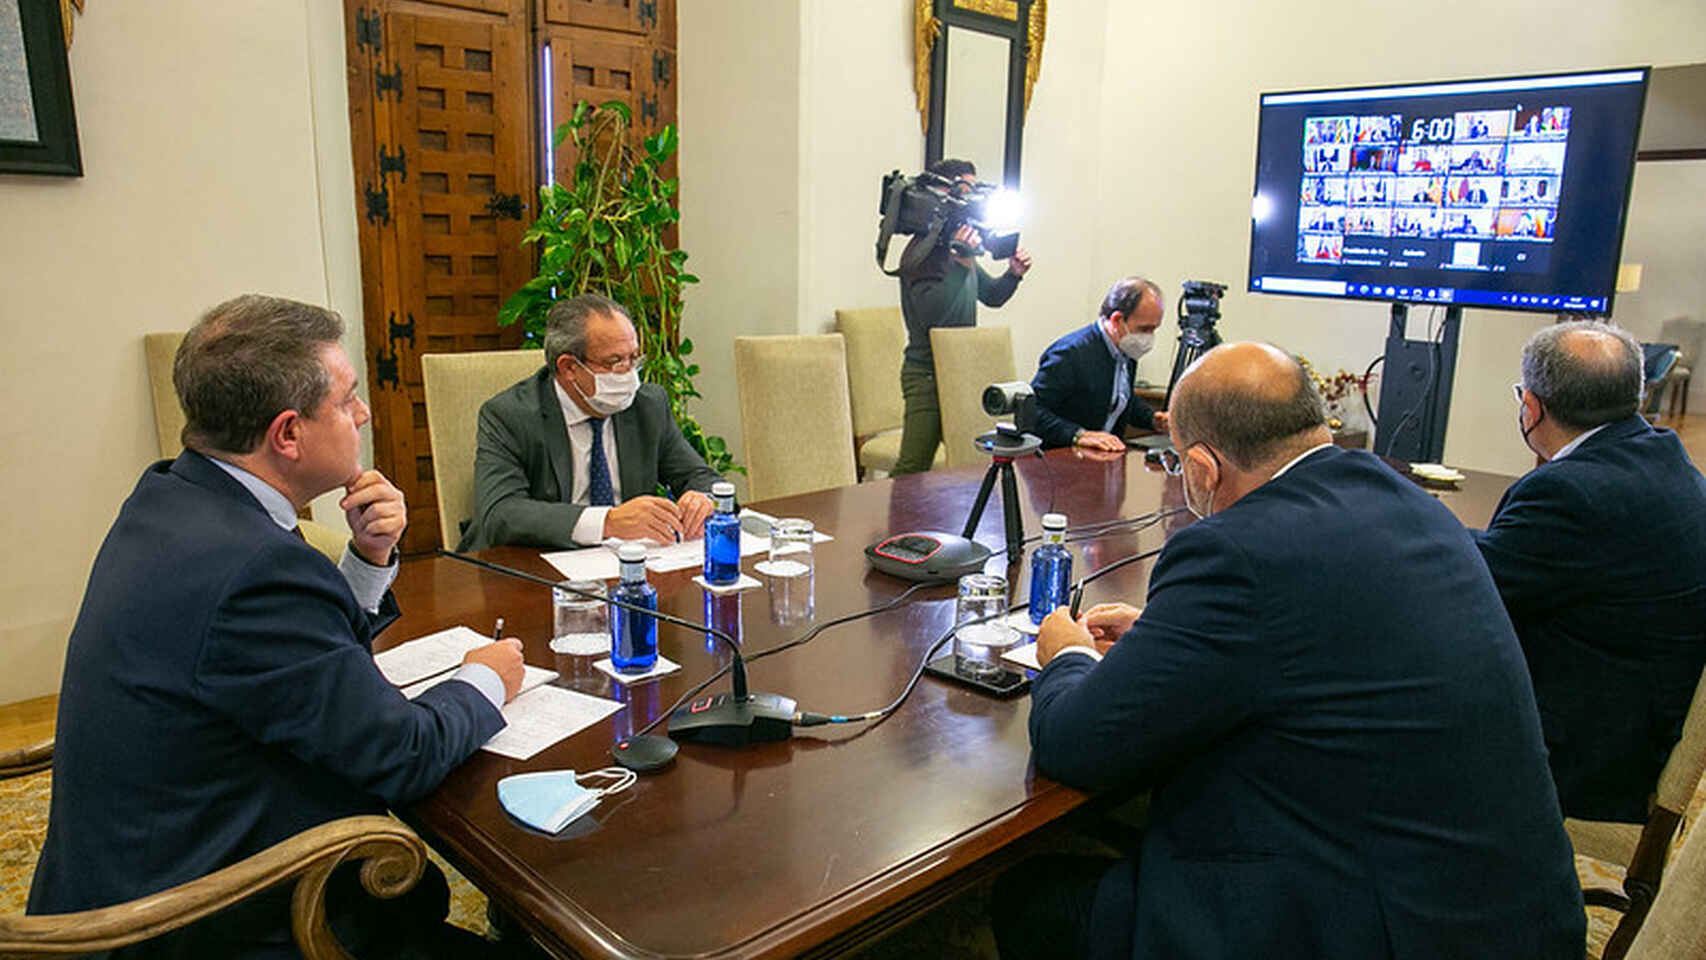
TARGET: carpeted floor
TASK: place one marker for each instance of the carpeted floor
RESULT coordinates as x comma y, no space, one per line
956,930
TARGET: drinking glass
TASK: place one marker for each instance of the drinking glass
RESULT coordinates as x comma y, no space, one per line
791,572
983,634
580,631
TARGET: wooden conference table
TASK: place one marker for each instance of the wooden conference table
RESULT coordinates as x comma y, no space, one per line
823,842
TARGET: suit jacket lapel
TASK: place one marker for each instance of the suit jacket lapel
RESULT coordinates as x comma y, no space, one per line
630,451
556,434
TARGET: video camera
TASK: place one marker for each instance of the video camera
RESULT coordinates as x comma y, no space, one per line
1014,397
1199,304
933,206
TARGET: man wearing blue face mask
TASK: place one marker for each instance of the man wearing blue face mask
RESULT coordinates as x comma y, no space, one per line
570,456
1084,380
1328,704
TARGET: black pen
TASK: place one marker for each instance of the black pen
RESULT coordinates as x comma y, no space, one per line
498,631
1077,601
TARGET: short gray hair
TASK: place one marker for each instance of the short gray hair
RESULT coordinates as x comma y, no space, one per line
245,362
1583,389
565,325
1246,426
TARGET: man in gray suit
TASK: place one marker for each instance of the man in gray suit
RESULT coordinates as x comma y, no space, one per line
572,455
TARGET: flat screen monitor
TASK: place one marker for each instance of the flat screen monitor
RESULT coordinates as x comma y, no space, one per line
1507,193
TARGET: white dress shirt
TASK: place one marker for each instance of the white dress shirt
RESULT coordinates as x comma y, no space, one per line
366,581
1570,447
589,529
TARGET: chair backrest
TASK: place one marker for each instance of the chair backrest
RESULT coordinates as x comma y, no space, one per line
1675,928
967,360
795,423
876,340
456,385
1657,359
1687,763
161,349
1687,333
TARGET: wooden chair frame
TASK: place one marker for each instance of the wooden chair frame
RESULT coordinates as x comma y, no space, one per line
395,860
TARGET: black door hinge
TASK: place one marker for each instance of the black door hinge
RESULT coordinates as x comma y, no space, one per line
385,368
660,67
383,81
648,13
367,31
649,109
401,330
507,206
378,204
397,164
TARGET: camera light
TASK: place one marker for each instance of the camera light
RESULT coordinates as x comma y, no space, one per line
1260,207
1003,210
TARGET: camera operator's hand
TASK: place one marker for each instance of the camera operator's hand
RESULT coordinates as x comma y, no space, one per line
1020,264
1097,440
970,239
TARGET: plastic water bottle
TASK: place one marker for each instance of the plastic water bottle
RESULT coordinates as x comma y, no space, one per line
722,537
1051,569
633,633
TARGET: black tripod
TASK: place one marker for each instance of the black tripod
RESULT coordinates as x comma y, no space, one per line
1195,339
1003,448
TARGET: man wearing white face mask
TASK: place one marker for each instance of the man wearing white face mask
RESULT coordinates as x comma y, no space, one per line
1084,380
570,456
1328,704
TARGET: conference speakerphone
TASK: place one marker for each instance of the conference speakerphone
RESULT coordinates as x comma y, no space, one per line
927,555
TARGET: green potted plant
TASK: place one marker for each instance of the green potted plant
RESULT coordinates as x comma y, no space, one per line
604,231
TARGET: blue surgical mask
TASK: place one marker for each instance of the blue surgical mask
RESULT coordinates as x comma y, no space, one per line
552,799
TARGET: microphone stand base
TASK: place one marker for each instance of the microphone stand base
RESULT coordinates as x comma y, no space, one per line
723,719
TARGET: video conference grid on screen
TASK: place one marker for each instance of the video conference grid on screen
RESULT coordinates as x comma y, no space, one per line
1456,192
1484,176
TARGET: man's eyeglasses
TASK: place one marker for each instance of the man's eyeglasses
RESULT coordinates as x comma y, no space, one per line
1171,463
633,361
1517,387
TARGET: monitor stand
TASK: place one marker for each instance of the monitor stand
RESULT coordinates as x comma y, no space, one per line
1415,389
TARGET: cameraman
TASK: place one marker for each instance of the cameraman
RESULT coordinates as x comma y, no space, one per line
942,290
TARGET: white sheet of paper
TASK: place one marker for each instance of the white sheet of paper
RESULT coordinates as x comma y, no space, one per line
544,716
1025,656
587,563
599,563
409,662
531,677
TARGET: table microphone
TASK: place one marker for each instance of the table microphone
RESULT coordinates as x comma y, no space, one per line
732,719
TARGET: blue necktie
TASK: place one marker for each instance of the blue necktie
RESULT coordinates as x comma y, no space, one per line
599,492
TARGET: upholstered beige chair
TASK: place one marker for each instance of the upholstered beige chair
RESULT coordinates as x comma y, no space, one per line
160,349
456,385
1676,928
876,341
967,360
795,422
396,858
1641,850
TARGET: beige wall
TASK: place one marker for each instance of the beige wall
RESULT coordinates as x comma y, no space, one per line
198,126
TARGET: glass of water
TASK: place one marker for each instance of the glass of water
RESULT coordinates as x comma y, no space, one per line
791,572
983,634
580,631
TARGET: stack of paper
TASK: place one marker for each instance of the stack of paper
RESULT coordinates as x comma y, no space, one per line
414,661
599,563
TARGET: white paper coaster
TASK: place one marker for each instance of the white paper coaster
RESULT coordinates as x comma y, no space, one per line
663,667
744,583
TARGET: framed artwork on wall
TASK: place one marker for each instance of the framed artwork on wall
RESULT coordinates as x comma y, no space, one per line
38,127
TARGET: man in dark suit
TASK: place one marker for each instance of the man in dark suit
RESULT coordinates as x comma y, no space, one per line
1084,380
571,455
1328,703
220,693
1600,556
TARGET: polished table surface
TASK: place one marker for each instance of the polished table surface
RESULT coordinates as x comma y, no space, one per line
774,849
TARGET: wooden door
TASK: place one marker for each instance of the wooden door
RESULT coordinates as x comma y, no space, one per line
446,195
446,125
